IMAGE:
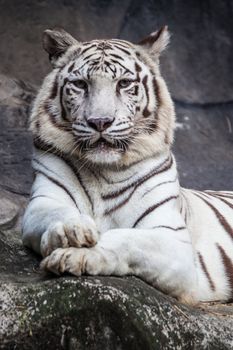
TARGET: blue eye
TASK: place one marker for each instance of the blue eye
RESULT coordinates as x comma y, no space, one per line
80,84
124,83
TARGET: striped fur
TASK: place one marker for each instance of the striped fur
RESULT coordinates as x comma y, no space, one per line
107,200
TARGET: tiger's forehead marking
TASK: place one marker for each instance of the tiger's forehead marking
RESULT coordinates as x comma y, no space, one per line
104,57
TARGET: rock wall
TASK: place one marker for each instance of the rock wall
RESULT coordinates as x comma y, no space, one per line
198,64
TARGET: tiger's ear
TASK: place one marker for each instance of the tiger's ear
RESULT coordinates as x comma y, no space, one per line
56,42
156,42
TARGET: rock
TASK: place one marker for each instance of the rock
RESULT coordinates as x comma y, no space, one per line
104,313
15,141
14,258
8,213
204,146
197,65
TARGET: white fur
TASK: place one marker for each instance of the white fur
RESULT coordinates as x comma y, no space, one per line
123,213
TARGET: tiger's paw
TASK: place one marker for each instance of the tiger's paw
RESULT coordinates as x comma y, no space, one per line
78,261
74,232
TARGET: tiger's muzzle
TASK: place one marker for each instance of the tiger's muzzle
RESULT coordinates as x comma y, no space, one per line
100,123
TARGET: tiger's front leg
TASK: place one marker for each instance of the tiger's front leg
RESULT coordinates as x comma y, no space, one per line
52,221
158,256
60,227
77,231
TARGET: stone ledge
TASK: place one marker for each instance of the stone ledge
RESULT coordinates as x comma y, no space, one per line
104,313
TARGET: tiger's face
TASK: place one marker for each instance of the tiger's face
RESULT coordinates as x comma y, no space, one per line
106,97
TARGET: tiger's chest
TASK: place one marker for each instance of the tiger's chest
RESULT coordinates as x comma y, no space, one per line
118,207
119,200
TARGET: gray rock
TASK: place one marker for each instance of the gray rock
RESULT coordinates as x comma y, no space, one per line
43,312
8,213
15,141
198,65
204,145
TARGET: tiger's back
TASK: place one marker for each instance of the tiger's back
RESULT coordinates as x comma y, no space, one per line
209,219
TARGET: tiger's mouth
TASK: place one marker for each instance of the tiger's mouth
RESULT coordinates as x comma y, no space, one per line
104,145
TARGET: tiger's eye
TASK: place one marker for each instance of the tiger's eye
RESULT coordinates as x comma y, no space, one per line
81,84
124,83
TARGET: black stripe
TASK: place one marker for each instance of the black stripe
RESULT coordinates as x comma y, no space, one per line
224,195
120,42
186,208
110,66
54,89
89,56
204,268
102,46
126,69
111,210
110,182
41,145
157,92
120,123
63,111
118,206
39,196
152,208
83,186
53,118
155,171
93,62
201,193
71,67
116,56
227,262
225,224
145,111
88,48
120,130
37,125
171,228
123,50
230,205
56,182
75,171
138,68
88,43
135,93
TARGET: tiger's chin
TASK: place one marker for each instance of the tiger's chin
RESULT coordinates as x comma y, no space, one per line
104,156
103,152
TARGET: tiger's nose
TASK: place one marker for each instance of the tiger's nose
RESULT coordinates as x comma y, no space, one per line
100,124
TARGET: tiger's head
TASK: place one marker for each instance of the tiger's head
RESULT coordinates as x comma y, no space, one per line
105,101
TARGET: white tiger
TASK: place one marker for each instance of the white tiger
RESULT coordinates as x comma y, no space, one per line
106,199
